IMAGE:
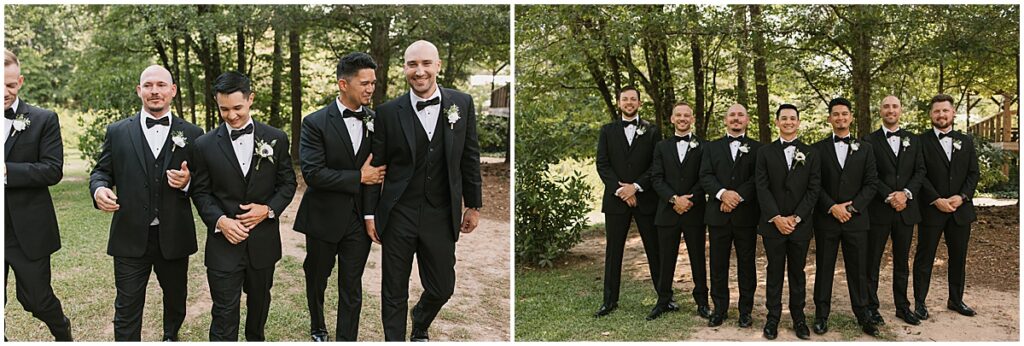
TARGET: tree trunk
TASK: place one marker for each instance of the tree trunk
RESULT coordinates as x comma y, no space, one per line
862,64
760,75
698,80
176,71
656,54
275,83
380,50
296,83
740,15
188,79
240,39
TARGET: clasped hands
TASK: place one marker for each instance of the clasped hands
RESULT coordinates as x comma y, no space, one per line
237,230
839,212
627,192
785,224
897,200
682,204
949,205
730,200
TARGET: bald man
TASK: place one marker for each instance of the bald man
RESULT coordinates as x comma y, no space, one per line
427,138
142,177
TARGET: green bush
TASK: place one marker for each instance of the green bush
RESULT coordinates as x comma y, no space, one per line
492,131
991,160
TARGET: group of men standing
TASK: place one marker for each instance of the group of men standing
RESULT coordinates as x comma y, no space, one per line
843,192
399,177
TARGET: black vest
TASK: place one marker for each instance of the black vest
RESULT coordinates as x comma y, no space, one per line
430,179
156,174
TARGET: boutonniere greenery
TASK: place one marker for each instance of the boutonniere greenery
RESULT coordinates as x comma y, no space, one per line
854,146
905,142
453,115
799,157
21,123
694,143
957,144
264,150
179,140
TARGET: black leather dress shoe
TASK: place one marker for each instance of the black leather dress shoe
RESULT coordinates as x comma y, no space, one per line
606,309
62,332
869,328
672,306
716,320
704,311
820,326
319,336
921,312
771,330
876,318
801,330
170,338
419,335
961,308
908,316
657,311
745,321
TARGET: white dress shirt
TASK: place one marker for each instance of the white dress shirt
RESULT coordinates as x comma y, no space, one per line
427,116
894,141
244,147
682,146
9,123
354,126
946,143
842,150
790,151
630,130
156,136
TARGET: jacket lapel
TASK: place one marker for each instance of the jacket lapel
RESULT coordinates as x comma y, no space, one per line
448,128
257,133
137,137
831,153
169,147
406,117
883,141
931,138
13,136
224,142
337,122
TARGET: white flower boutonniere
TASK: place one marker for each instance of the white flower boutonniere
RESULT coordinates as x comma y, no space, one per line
854,146
957,144
906,142
641,130
694,143
744,148
265,151
799,157
21,123
368,122
453,115
179,140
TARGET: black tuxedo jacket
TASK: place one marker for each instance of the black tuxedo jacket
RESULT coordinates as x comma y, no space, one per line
334,194
617,161
945,178
785,192
121,166
719,171
670,177
394,144
35,160
895,174
220,188
853,182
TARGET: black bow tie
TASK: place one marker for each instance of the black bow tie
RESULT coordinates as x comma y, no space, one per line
634,122
893,133
788,144
239,133
841,139
682,138
9,113
424,104
739,138
944,135
350,114
150,122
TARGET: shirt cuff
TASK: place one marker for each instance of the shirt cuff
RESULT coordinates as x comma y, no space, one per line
185,189
909,194
638,188
215,229
718,195
367,217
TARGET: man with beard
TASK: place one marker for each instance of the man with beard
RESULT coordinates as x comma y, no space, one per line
625,150
33,161
335,155
848,179
788,174
428,140
894,211
152,228
727,174
675,177
951,163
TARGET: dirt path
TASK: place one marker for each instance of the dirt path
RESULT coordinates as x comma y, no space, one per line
998,308
479,309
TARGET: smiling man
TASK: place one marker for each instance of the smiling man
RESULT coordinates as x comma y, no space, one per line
142,176
427,138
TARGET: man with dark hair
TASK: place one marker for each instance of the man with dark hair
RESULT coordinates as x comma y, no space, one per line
625,150
680,210
894,210
727,175
243,181
951,163
334,153
33,161
428,140
848,178
153,228
788,176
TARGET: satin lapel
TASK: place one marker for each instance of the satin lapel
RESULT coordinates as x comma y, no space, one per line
406,117
831,153
956,137
931,138
448,128
13,136
169,150
224,142
883,141
137,137
337,122
689,154
728,151
258,133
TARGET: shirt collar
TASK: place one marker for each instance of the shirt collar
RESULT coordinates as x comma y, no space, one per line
342,107
243,126
414,98
887,131
785,141
685,134
144,114
937,132
14,105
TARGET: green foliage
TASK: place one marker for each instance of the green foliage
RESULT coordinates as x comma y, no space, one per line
493,133
991,160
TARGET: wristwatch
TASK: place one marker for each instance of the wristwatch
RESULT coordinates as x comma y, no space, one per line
270,213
